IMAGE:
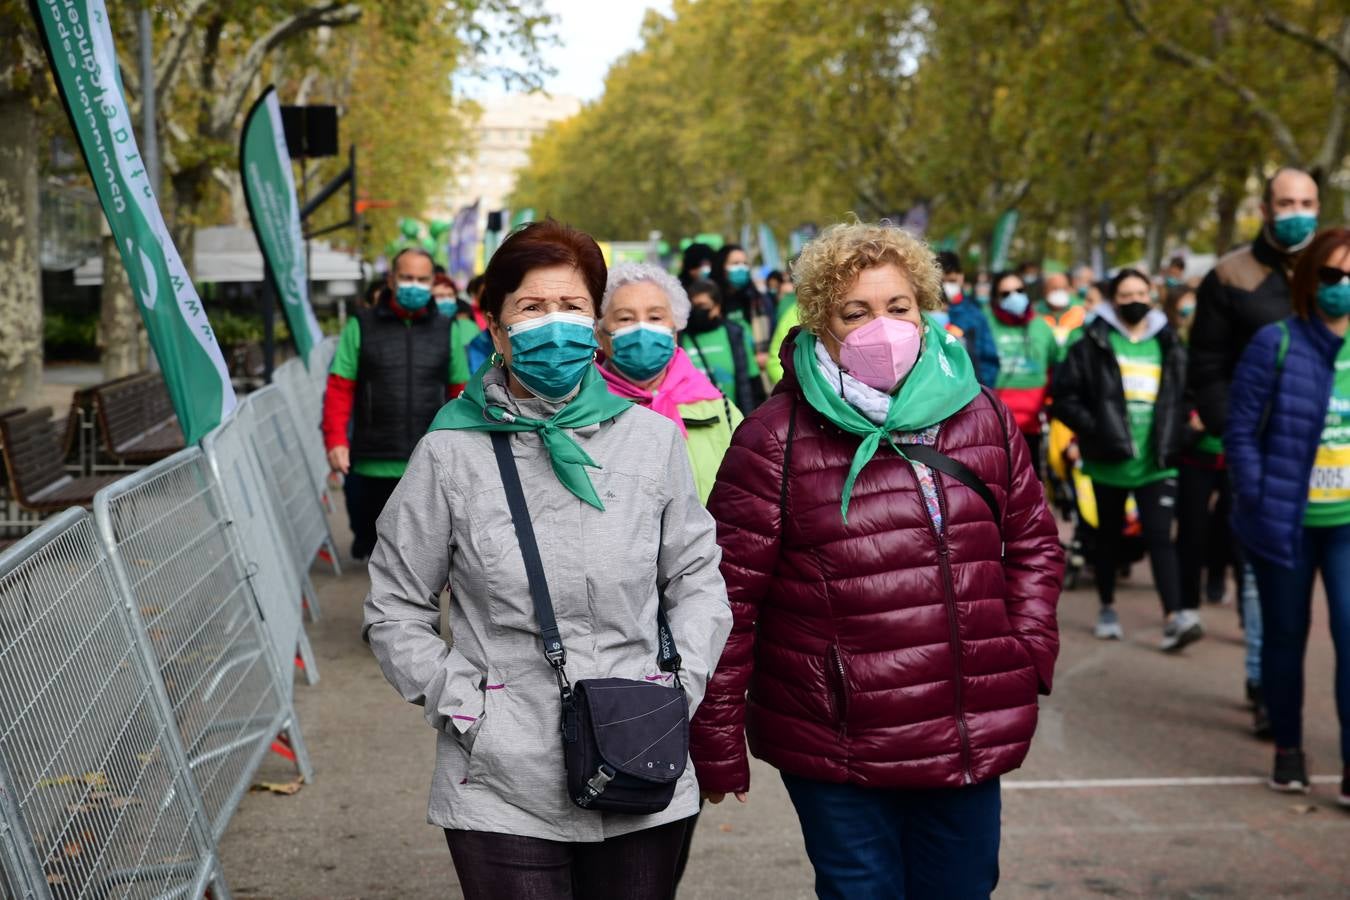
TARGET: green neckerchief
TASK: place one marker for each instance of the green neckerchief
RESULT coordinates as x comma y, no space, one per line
592,404
941,382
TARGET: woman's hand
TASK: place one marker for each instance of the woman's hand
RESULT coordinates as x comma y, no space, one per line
716,797
1195,423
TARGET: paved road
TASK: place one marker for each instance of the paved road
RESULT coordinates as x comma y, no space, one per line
1081,818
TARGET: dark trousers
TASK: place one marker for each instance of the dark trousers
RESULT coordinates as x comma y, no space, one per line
1204,541
635,866
879,844
1157,509
366,498
1286,614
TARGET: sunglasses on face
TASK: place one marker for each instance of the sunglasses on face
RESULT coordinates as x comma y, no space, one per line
1330,275
1005,294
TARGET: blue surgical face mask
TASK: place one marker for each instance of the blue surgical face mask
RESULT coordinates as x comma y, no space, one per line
1015,304
447,308
941,318
738,276
1334,299
1293,230
550,354
412,296
642,351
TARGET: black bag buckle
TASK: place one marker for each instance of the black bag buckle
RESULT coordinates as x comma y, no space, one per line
596,785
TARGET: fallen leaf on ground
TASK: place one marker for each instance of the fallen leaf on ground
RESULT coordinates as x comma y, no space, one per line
285,788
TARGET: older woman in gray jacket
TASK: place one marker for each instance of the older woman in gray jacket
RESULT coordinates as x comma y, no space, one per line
620,531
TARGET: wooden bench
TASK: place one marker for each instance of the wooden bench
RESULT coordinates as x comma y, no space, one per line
136,421
38,482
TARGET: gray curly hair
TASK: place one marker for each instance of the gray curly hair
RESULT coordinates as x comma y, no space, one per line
646,273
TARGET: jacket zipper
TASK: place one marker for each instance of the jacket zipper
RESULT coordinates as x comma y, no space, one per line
949,592
841,712
408,397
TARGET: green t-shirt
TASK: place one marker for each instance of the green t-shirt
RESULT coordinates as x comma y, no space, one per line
1141,375
711,354
1025,354
346,362
1329,489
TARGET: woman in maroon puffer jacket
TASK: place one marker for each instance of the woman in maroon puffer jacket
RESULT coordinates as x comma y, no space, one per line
893,623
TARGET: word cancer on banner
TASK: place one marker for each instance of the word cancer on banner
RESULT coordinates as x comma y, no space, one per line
269,191
79,44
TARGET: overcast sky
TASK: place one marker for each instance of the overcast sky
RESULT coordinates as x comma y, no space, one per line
592,34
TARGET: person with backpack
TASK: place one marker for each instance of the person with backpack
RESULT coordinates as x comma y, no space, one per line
1027,355
968,318
893,572
1288,449
1121,390
721,348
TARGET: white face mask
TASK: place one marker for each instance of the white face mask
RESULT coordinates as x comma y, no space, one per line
1057,299
952,289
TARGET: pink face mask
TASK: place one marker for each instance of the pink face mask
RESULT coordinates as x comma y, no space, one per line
881,353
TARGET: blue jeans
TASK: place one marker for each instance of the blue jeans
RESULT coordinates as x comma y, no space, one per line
1250,598
1286,612
882,844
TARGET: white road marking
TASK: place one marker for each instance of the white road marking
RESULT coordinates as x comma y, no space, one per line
1201,781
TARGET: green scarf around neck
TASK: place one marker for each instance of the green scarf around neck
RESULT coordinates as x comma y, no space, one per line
592,404
941,382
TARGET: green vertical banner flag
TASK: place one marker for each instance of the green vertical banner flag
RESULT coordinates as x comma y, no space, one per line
269,191
1002,243
79,45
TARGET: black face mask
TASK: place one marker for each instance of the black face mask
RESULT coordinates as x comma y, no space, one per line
1133,313
701,320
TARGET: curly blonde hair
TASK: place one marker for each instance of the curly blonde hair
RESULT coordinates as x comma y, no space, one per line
829,265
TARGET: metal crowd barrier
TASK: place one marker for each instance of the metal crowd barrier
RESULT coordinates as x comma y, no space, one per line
288,479
306,409
167,534
257,526
95,798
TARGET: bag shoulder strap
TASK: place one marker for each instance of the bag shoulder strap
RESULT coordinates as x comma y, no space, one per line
668,656
941,462
787,463
1280,353
995,404
529,550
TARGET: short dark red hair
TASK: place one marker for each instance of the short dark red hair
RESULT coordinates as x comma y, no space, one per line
442,280
536,246
1303,286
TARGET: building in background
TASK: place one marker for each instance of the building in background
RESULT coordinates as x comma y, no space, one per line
501,147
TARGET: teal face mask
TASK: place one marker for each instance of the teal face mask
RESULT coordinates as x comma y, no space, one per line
447,307
413,297
941,318
738,276
550,354
1334,299
1292,230
643,350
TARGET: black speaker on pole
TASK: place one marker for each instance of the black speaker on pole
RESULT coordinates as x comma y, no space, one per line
311,131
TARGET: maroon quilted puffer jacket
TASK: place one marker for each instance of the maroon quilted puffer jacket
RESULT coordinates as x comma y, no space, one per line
878,652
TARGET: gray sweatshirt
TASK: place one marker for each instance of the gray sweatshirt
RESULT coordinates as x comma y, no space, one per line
491,696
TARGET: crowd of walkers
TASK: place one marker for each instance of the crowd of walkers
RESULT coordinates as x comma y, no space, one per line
675,520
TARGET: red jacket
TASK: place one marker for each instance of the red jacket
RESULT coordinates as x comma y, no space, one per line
876,652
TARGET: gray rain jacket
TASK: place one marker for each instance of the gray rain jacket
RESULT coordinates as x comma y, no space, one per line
492,696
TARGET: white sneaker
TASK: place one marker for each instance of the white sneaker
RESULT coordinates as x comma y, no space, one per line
1108,626
1182,628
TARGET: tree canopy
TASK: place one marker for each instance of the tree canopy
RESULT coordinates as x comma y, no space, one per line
1142,121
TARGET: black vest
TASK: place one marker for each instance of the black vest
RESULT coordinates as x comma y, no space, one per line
400,381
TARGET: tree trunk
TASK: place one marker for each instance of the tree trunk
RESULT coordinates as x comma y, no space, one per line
1226,211
1155,235
20,270
119,323
1084,234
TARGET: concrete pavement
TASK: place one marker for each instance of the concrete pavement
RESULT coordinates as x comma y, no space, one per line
1091,814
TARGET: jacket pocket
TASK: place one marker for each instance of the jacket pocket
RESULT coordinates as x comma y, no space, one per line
836,677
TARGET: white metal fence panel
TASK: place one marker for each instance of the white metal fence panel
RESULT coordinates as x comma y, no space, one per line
167,535
95,799
288,478
257,526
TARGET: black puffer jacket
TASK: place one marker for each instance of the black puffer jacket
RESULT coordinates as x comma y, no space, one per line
1089,396
1247,290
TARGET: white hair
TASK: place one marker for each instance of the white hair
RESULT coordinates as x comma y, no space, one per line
627,273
